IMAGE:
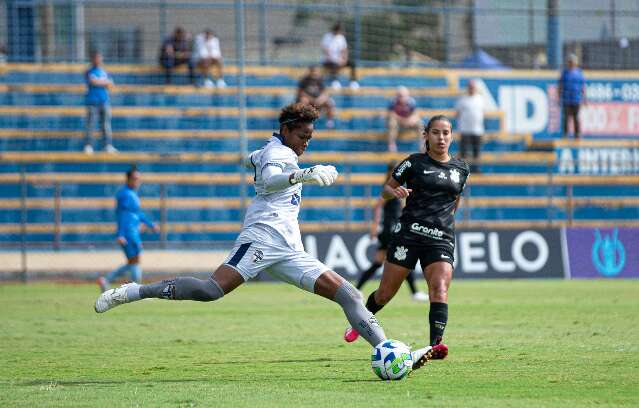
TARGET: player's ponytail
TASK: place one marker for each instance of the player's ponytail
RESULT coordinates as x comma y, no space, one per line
390,166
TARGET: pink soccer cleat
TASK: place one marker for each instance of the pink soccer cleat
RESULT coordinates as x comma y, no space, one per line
440,351
350,335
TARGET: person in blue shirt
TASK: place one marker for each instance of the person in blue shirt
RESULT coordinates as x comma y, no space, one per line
572,93
98,104
129,217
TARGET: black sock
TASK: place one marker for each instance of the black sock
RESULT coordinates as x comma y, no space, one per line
366,275
411,282
438,316
372,306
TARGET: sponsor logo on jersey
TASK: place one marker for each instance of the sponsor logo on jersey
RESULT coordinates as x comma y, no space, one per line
397,227
454,176
400,253
445,256
430,232
258,255
430,171
442,175
401,168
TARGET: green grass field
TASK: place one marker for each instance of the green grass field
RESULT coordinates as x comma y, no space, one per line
513,344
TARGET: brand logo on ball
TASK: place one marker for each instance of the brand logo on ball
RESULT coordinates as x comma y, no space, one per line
258,255
454,176
608,253
400,253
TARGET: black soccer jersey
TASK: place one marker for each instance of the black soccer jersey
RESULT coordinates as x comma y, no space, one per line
428,214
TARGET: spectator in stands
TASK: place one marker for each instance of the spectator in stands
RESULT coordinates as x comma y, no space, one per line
130,220
311,90
402,114
335,56
98,104
470,123
207,54
572,91
176,51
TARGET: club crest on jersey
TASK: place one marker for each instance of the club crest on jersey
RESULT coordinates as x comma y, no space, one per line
454,176
442,175
400,253
258,255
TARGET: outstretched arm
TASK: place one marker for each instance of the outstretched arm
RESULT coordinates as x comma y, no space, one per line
275,179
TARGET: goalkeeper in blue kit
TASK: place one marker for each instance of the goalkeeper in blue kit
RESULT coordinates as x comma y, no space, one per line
129,218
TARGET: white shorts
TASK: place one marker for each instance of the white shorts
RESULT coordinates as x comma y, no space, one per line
281,261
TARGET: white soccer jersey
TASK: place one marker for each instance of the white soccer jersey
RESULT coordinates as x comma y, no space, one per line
279,210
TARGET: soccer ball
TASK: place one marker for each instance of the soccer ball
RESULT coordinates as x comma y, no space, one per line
391,360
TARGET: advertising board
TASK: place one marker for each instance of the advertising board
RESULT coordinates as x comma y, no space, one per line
479,253
603,252
531,105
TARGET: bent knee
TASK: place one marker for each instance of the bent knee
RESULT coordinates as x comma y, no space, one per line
438,292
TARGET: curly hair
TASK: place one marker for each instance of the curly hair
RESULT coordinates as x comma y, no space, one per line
297,113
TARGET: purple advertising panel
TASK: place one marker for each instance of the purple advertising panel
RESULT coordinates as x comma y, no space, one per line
603,252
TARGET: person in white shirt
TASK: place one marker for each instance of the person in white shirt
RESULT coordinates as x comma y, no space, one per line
470,123
335,56
207,54
270,239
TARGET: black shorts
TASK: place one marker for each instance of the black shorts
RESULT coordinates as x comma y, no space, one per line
383,239
406,253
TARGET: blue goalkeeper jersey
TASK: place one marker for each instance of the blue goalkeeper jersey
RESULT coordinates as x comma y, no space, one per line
129,214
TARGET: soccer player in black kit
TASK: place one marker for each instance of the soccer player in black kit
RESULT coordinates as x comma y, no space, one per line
388,212
432,184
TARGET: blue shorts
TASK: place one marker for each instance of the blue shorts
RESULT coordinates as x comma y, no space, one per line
132,248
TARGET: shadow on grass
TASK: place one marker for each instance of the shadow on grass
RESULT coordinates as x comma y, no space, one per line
282,361
100,382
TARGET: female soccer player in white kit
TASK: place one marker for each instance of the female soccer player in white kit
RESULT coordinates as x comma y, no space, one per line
270,238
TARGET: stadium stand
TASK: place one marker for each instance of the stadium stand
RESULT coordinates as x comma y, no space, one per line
185,141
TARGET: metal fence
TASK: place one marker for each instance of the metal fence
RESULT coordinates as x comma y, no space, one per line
557,196
521,34
57,192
